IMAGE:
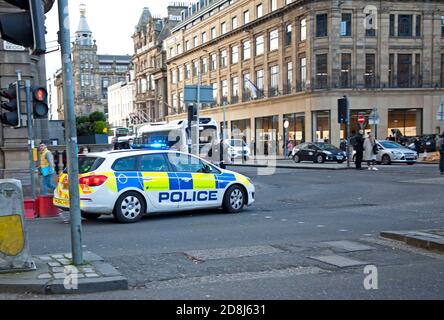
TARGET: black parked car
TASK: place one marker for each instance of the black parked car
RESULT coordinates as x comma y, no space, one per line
318,153
425,142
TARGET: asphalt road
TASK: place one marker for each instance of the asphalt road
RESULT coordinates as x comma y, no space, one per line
270,250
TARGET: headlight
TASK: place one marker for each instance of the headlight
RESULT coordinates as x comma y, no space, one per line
398,154
328,153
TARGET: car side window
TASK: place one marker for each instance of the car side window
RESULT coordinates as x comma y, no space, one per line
187,163
125,164
153,163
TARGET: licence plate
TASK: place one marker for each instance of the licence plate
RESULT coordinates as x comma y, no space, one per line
339,157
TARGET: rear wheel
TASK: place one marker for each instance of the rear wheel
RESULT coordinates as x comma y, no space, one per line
90,216
234,199
130,207
386,160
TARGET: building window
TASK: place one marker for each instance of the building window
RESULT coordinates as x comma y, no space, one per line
321,25
180,74
204,37
213,33
303,29
407,122
418,74
214,85
260,83
405,25
259,45
346,70
391,70
274,40
181,102
370,27
204,65
223,28
274,81
234,90
321,71
174,102
195,68
321,126
404,70
289,84
174,76
213,62
234,23
302,74
273,5
288,1
187,71
346,24
195,44
288,29
234,54
442,70
246,17
370,65
246,50
187,45
223,58
247,93
259,12
296,129
179,49
418,26
442,26
392,25
224,87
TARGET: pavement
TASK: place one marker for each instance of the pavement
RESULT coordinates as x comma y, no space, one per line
432,240
55,274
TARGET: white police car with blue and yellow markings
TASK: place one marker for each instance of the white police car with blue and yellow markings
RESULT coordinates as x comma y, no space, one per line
130,183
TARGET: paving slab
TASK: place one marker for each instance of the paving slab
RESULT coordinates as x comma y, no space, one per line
339,261
349,246
229,253
51,280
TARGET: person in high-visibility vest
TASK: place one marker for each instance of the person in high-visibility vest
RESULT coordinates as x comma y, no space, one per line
46,169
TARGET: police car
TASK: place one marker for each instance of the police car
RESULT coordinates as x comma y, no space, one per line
132,183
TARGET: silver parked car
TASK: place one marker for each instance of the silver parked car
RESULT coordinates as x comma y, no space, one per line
392,152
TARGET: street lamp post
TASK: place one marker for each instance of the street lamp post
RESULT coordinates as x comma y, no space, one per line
286,125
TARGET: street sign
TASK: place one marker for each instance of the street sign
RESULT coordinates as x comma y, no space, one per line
206,94
373,118
440,113
361,119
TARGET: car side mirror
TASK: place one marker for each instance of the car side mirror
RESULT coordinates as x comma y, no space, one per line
207,169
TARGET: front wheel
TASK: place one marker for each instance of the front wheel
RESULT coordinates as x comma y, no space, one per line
342,161
234,199
386,160
129,208
410,163
296,159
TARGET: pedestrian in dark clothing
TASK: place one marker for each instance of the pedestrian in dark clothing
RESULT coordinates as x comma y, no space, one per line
358,145
440,148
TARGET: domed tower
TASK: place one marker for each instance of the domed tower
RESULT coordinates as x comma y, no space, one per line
83,33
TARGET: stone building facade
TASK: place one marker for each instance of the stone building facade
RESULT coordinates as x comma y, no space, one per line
149,63
93,73
275,60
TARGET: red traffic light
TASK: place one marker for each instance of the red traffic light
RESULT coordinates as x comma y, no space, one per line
40,94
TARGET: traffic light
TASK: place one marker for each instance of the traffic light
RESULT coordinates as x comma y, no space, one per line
40,102
342,110
26,28
12,117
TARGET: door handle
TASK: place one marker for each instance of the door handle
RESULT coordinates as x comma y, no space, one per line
186,179
147,179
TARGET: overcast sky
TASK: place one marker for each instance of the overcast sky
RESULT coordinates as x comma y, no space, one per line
111,21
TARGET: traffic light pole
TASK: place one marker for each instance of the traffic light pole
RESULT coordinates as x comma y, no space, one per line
71,134
349,154
31,144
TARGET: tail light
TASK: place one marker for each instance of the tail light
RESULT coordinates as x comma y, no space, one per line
93,181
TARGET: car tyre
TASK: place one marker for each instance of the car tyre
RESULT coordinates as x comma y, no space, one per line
130,207
410,163
319,159
90,216
386,160
234,199
296,158
341,161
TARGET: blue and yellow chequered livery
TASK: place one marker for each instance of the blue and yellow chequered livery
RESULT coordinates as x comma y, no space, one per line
101,190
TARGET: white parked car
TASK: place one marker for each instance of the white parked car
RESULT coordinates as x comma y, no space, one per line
392,152
237,148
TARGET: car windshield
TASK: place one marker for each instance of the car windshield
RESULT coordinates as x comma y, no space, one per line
237,143
326,146
88,164
390,145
